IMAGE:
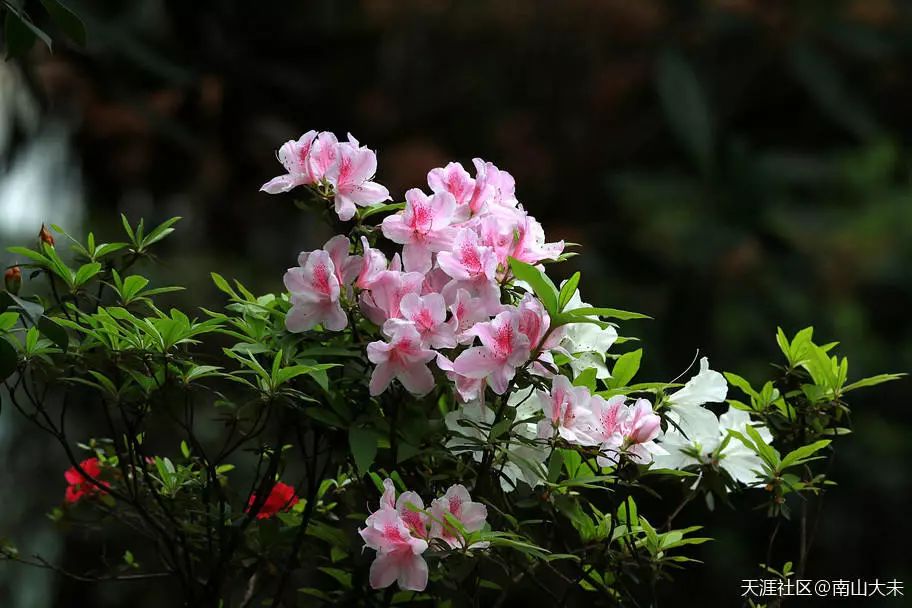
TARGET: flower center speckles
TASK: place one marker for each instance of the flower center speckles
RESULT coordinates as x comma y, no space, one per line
392,533
455,505
321,279
422,217
424,321
469,257
503,340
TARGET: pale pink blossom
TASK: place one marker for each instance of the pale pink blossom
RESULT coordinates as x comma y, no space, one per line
386,293
453,179
346,266
409,506
323,155
435,281
466,312
458,504
403,358
620,428
567,412
427,314
607,418
295,157
351,175
503,349
468,389
530,245
473,267
492,187
315,289
399,554
423,227
373,262
468,260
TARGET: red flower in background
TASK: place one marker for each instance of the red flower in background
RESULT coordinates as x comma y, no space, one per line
80,486
281,498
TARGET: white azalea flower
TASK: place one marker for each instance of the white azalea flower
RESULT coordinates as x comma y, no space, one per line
694,439
520,461
587,342
707,386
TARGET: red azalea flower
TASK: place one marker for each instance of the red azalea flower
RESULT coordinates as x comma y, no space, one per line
79,486
281,498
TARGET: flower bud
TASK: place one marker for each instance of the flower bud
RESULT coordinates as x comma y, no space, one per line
12,278
45,236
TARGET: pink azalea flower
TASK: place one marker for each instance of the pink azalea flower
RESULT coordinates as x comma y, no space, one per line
399,554
468,389
453,179
294,156
629,429
468,259
530,245
323,155
567,411
467,311
504,348
457,503
315,289
351,175
534,320
346,266
492,187
373,262
435,281
409,506
386,293
607,417
404,358
427,314
422,228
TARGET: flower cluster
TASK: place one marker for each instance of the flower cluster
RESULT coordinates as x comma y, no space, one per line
401,530
442,294
582,418
439,303
321,160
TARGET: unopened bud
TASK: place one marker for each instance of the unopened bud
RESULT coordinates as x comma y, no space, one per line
45,235
12,278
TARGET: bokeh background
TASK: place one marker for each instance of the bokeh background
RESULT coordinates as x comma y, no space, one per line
727,165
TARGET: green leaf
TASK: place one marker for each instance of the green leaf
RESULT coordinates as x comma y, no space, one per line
625,368
741,383
800,455
86,272
363,214
9,361
53,332
686,108
224,286
567,291
542,286
835,95
8,320
20,32
587,378
160,232
872,381
68,22
363,443
610,313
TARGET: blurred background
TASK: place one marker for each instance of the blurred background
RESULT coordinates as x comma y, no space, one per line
727,165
